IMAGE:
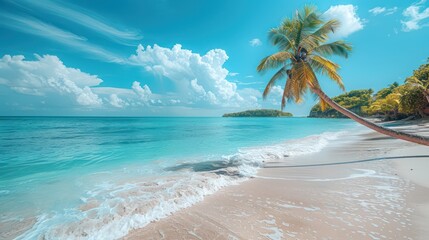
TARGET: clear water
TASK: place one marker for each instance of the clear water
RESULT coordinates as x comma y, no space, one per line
121,173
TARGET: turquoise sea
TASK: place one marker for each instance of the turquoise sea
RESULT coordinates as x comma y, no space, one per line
100,177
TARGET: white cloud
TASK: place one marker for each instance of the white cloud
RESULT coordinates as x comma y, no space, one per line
84,18
379,10
36,27
275,96
117,101
86,97
174,101
46,83
390,11
143,92
247,83
415,18
198,79
233,74
255,42
277,91
197,88
48,75
47,86
346,14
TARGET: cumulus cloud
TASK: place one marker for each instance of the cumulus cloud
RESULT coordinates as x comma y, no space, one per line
346,14
46,82
415,17
48,75
197,82
379,10
197,88
255,42
117,101
198,79
143,92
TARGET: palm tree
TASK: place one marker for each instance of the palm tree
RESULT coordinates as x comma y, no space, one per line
303,48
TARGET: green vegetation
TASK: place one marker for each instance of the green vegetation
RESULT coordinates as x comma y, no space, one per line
259,113
356,101
391,103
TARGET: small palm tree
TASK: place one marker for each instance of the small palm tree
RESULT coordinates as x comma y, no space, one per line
420,84
303,48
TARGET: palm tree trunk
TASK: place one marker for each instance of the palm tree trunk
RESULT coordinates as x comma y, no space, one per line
387,131
426,93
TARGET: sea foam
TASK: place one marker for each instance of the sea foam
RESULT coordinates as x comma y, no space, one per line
112,209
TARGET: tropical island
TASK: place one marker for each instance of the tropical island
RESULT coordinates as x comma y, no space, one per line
259,113
395,102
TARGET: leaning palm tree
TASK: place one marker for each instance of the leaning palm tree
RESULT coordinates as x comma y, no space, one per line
303,48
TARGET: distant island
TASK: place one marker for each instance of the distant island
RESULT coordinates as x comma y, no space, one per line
259,113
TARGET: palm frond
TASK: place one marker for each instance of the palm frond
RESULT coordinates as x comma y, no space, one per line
339,48
302,76
286,92
314,39
277,76
413,81
274,61
310,18
325,29
279,38
323,105
327,68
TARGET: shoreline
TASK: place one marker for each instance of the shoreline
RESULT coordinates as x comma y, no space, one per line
133,200
334,195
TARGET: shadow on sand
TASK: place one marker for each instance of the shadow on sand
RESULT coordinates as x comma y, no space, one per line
349,162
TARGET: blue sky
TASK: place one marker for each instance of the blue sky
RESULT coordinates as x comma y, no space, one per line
184,58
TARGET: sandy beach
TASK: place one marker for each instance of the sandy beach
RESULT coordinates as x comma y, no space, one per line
361,186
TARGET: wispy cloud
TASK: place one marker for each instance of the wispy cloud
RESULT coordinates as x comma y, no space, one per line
247,83
379,10
255,42
233,74
86,19
416,18
391,11
36,27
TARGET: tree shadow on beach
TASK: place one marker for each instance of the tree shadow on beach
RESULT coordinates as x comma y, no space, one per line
349,162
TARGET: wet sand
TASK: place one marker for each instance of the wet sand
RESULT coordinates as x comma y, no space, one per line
363,186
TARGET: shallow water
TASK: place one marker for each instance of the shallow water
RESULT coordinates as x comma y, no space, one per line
96,177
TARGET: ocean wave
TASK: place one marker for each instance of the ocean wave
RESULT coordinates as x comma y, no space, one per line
248,160
112,209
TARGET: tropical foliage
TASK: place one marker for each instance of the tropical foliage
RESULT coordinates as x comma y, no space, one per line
356,101
391,103
420,80
259,113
